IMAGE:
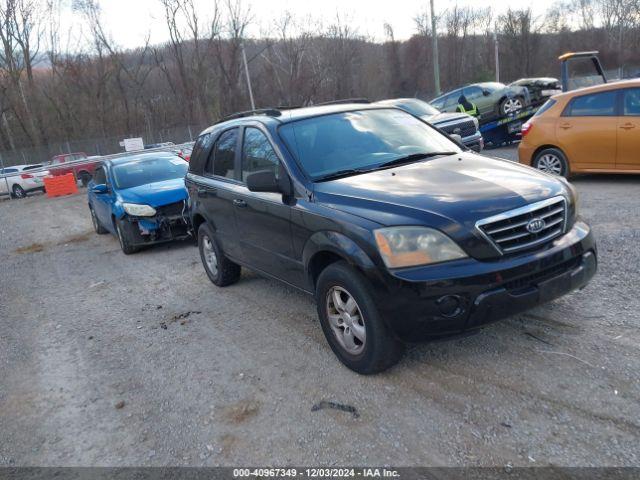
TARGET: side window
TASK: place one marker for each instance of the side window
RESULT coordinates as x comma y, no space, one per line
99,176
631,102
594,105
472,93
451,100
257,153
202,145
222,158
438,103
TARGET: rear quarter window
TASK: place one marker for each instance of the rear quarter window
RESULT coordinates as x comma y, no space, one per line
546,106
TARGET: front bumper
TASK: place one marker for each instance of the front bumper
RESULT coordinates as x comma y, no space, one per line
475,142
426,302
159,229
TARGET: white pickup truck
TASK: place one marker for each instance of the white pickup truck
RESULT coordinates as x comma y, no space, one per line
18,180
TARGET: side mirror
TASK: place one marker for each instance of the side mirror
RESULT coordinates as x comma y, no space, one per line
265,181
100,188
456,138
486,93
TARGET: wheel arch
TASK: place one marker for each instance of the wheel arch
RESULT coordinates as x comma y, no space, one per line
327,247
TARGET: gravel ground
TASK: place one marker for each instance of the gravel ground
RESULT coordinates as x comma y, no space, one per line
117,360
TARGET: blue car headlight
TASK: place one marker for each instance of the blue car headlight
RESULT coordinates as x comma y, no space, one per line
138,210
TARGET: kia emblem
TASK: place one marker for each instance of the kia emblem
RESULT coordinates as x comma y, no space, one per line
536,225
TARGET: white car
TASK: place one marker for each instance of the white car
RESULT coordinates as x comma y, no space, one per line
18,180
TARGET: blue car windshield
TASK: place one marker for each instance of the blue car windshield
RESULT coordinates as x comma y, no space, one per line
360,140
149,170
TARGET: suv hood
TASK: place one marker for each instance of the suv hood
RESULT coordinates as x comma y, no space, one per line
449,193
445,117
156,194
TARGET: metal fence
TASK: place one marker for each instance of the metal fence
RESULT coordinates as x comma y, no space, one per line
97,146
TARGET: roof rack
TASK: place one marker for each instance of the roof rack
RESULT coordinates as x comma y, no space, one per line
270,112
343,101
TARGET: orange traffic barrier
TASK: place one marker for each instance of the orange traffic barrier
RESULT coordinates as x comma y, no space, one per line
60,185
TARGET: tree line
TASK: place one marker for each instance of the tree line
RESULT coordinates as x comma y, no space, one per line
51,91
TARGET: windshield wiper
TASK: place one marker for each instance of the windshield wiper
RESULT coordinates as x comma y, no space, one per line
343,173
413,158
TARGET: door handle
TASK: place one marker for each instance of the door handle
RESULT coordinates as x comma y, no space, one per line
628,126
238,202
565,126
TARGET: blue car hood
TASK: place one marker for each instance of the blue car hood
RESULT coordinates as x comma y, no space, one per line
156,194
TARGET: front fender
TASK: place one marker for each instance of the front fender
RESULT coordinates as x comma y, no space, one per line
344,247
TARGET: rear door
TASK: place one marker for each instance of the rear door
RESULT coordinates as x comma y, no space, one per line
218,187
587,131
628,156
264,220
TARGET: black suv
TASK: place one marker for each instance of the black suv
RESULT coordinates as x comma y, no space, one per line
400,233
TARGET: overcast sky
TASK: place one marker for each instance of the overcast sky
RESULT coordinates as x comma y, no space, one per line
129,21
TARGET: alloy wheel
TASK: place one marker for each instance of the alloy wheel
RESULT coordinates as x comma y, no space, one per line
511,105
19,192
210,256
550,163
346,320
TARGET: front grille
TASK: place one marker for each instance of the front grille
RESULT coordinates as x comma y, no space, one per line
465,128
513,231
171,209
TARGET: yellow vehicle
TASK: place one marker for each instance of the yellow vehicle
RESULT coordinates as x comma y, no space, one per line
593,129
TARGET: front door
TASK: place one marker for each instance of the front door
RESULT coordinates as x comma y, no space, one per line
587,131
264,225
102,202
628,157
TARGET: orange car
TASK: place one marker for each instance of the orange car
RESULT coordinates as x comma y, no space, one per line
593,129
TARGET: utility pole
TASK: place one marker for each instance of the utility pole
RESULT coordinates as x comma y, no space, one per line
496,52
246,72
436,64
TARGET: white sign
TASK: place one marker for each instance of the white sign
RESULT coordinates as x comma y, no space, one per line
132,144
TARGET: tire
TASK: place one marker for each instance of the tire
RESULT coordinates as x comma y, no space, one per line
18,192
123,230
85,178
552,161
355,330
97,226
220,270
511,105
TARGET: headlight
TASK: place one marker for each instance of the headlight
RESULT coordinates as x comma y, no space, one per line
138,210
410,246
573,194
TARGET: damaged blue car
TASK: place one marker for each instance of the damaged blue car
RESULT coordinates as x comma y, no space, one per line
142,199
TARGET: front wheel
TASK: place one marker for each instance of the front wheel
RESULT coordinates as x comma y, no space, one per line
351,322
552,161
123,229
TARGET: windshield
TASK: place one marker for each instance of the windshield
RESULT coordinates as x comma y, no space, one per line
360,140
141,172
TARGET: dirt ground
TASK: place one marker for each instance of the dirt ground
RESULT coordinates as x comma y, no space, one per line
114,360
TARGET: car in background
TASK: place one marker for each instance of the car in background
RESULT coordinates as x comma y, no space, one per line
399,233
141,199
158,145
593,129
184,151
19,180
540,89
493,99
77,163
462,124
